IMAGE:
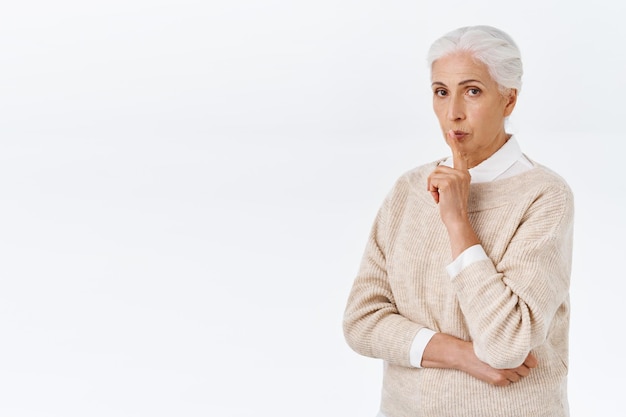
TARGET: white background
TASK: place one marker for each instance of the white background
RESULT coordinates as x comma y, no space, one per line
186,188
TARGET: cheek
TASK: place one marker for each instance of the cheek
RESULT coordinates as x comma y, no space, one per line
439,110
485,117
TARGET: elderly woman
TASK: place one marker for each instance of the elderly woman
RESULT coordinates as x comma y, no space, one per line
463,288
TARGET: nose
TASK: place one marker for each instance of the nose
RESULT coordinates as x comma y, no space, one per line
456,108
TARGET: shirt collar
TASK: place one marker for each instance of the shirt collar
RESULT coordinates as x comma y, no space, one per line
496,164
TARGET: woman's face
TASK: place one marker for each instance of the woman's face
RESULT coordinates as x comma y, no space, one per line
467,100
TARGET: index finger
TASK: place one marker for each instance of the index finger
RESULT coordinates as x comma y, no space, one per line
459,161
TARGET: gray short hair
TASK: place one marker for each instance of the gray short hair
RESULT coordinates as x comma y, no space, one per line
488,45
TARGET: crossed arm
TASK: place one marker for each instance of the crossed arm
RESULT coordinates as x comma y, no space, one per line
445,351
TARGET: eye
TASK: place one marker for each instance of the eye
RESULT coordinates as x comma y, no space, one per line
473,91
441,92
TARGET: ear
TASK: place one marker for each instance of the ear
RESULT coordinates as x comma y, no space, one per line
511,100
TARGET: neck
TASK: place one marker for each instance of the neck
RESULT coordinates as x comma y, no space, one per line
474,160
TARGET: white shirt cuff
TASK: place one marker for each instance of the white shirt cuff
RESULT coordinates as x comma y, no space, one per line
422,338
466,258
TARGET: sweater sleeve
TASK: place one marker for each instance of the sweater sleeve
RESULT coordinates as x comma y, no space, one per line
509,306
372,324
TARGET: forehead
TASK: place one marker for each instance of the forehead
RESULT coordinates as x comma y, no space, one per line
457,67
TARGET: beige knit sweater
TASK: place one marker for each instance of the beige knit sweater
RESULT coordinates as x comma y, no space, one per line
514,303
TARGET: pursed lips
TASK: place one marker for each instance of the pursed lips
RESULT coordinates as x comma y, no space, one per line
459,134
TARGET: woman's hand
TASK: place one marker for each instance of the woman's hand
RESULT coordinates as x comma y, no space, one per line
450,186
450,189
446,351
500,377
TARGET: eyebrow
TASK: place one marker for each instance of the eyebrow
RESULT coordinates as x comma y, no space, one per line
461,83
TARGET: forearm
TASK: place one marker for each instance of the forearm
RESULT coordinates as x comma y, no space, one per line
461,235
448,352
445,351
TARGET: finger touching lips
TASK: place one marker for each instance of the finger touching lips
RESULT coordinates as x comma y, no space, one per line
459,161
